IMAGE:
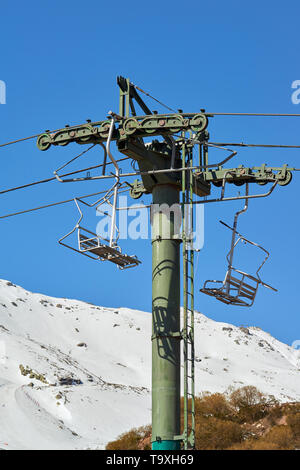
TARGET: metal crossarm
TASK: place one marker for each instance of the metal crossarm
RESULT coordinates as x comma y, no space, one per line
137,127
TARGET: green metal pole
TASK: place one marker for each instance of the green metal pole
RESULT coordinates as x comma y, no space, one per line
165,322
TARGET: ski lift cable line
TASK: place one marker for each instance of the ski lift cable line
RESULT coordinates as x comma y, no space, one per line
75,158
48,131
152,97
253,114
54,178
233,144
219,114
242,144
55,204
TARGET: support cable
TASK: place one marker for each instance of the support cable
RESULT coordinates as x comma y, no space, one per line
152,97
55,204
54,178
242,144
72,160
253,114
48,131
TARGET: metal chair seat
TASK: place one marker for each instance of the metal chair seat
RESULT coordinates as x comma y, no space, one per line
105,252
234,290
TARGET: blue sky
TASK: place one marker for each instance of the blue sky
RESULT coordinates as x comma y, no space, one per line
60,61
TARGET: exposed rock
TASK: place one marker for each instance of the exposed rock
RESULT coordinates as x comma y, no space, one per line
245,330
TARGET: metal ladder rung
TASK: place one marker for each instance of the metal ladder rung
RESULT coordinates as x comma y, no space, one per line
188,260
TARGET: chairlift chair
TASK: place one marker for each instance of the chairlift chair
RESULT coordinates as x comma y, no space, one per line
92,245
238,288
96,247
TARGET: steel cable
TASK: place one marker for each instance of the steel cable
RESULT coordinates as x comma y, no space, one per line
54,178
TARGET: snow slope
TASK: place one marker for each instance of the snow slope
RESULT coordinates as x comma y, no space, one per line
104,354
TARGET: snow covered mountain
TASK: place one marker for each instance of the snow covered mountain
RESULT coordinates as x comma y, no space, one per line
75,376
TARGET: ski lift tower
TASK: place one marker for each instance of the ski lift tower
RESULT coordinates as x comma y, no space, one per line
176,171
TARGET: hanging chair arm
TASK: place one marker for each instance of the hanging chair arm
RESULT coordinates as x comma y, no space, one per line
77,224
241,238
110,133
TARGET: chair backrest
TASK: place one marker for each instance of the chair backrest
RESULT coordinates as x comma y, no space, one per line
241,285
